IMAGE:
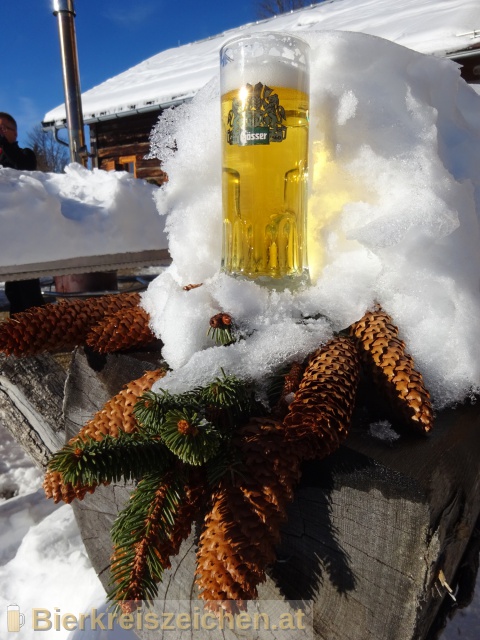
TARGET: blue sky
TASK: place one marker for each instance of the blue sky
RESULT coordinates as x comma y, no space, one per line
112,36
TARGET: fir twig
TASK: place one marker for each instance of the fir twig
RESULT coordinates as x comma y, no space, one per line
140,532
190,437
228,402
152,408
115,418
93,462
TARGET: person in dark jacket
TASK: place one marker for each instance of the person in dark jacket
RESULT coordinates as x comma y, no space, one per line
21,294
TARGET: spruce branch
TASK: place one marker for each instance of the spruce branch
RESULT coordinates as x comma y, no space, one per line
139,530
152,407
93,462
228,401
228,392
146,533
190,436
224,402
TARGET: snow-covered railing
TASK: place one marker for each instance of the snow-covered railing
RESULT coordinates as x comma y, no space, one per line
77,222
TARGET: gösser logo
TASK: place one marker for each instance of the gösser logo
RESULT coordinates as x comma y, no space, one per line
15,619
257,117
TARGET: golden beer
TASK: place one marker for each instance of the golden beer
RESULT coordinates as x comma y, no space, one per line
264,181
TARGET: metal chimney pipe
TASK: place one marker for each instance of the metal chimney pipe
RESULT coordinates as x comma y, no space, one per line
65,12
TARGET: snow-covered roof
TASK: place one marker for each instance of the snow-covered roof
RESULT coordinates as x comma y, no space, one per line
175,75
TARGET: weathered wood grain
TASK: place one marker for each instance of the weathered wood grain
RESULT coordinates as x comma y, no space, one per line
31,398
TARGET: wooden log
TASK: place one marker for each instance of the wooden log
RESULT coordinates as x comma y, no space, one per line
371,533
31,397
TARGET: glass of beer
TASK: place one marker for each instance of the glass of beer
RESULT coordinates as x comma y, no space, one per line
264,79
15,619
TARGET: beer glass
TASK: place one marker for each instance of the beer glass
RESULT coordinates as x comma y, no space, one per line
15,619
264,80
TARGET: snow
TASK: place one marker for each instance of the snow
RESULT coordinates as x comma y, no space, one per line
43,562
428,26
50,216
382,430
393,219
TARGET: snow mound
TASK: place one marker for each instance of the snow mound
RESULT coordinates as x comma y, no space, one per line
393,219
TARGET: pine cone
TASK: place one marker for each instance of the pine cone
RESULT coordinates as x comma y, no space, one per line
117,413
291,382
58,490
125,329
322,408
57,326
243,525
116,416
392,369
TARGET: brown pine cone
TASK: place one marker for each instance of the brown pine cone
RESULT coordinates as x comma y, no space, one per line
320,414
57,326
291,383
58,490
392,369
243,525
126,329
116,416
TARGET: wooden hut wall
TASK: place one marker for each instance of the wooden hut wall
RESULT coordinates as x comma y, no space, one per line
122,144
469,62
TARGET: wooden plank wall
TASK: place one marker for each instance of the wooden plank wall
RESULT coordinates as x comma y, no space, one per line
470,65
126,136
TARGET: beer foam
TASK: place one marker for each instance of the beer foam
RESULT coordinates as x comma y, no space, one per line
274,73
280,60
